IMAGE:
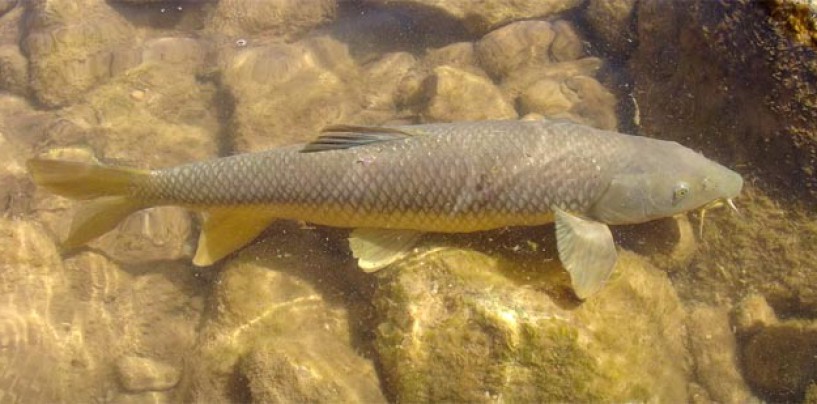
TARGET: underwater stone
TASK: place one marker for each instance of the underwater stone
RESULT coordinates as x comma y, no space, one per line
7,5
714,352
271,316
460,55
291,371
779,360
383,77
282,18
612,22
752,314
319,70
13,70
578,98
457,325
488,14
143,374
516,45
13,175
156,234
457,95
73,47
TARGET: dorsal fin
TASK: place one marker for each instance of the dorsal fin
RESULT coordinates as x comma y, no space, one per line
347,136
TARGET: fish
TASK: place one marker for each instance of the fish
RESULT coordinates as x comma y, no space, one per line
392,184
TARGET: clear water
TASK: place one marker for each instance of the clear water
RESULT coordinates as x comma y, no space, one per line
722,313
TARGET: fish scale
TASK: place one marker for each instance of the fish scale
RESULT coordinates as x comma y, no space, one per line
443,178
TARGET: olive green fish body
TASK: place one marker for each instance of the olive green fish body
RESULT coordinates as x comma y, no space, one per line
392,183
443,178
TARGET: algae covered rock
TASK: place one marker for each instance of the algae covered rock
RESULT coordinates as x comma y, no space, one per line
75,46
456,325
779,360
715,353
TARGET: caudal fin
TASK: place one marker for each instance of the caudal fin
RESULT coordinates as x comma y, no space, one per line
109,186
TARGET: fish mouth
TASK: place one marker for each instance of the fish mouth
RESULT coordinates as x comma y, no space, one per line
717,203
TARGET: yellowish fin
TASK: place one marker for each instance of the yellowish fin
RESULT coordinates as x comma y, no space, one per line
378,248
226,230
77,180
110,186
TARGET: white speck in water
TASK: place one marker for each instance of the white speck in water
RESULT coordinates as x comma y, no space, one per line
241,42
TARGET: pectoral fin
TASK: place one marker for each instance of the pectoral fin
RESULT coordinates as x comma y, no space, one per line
227,230
378,248
586,250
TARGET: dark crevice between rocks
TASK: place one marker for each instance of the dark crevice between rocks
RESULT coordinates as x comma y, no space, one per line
163,14
372,28
224,104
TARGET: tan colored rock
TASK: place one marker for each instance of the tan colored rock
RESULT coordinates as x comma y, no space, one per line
137,374
753,314
33,346
527,44
578,98
7,5
156,234
456,95
75,46
453,317
383,78
282,18
298,371
516,45
13,70
285,94
481,17
524,78
13,175
714,351
273,325
460,55
188,53
612,22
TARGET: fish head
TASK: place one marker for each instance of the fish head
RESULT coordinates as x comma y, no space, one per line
664,180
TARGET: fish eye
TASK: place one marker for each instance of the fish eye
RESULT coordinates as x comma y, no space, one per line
680,192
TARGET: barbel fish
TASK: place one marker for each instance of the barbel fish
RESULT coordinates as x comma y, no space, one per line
391,184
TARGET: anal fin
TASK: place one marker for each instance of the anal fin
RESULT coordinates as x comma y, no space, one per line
226,230
587,251
378,248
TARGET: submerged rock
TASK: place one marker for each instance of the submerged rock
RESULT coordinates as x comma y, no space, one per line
493,13
456,325
613,23
285,94
73,47
578,98
715,353
139,374
13,70
280,323
456,95
779,360
281,18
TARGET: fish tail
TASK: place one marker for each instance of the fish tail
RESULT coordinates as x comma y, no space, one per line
109,187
